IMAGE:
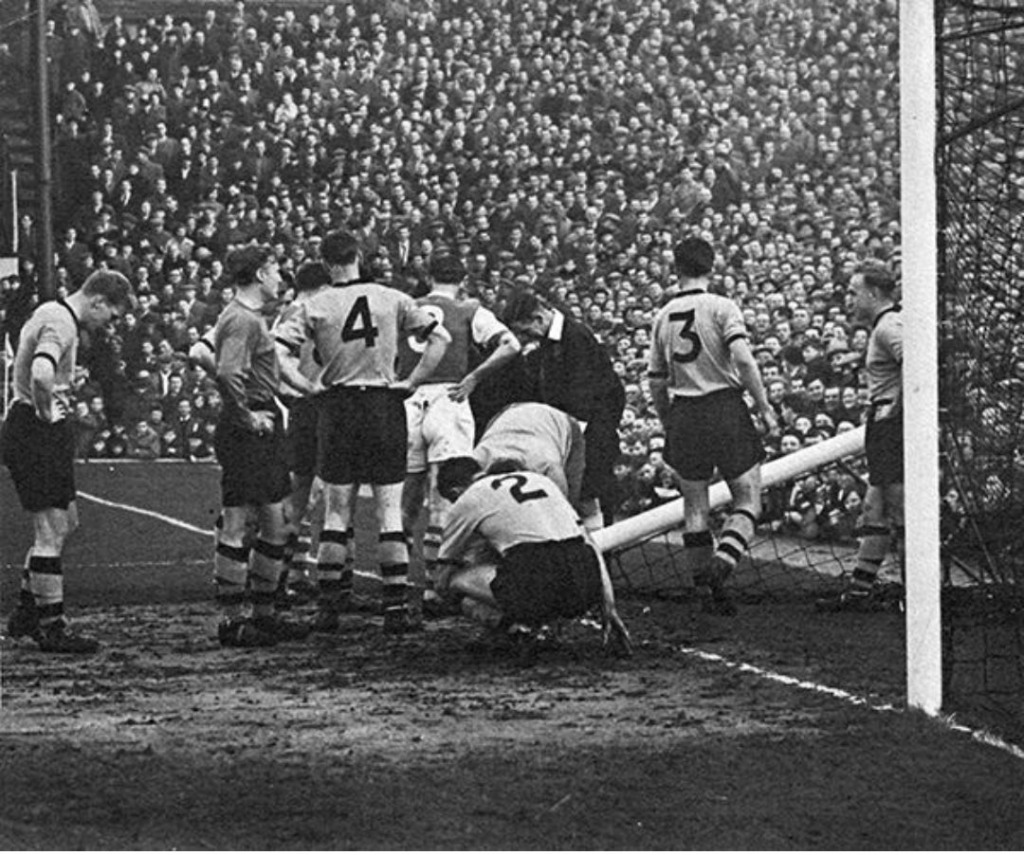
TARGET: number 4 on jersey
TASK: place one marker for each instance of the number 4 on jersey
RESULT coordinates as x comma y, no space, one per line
359,323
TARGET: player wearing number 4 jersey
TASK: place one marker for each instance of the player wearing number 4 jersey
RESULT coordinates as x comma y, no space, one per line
362,433
546,567
700,365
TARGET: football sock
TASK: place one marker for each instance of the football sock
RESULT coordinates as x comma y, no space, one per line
871,552
264,572
394,571
230,569
46,580
697,549
431,546
332,568
735,537
301,565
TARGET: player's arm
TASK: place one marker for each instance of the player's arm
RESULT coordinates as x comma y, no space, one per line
291,375
657,372
203,354
487,328
234,362
290,333
49,348
456,543
437,339
44,374
750,375
611,624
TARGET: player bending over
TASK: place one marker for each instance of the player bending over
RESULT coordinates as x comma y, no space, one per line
547,568
700,364
545,440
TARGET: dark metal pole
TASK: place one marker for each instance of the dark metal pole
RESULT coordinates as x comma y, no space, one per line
44,158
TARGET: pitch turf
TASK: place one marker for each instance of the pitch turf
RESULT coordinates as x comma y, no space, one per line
165,740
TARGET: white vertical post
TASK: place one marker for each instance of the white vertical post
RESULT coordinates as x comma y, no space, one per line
15,214
920,352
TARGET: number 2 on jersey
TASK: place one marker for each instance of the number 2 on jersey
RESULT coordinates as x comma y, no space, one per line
516,490
359,323
694,344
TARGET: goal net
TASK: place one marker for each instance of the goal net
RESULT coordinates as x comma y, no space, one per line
801,550
980,180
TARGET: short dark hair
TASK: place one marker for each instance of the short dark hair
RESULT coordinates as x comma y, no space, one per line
447,268
456,472
878,276
521,306
114,287
694,257
310,276
339,248
243,263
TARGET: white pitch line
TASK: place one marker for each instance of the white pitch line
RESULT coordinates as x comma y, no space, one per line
948,722
176,522
145,513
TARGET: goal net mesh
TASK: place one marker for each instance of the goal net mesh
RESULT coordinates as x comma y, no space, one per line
980,179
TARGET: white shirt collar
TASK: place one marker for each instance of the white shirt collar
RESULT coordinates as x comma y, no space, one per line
557,325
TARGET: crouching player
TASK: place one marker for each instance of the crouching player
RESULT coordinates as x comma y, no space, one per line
546,567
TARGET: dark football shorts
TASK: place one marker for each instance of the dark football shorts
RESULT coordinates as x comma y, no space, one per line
302,431
254,467
709,432
362,435
539,582
40,457
883,444
601,449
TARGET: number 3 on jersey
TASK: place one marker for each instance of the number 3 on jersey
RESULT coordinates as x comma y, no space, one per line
359,323
693,343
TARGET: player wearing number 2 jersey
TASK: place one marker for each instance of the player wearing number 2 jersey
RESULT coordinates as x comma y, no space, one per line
699,367
546,567
362,435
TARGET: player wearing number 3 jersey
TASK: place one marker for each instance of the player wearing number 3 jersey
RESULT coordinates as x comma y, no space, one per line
355,326
699,367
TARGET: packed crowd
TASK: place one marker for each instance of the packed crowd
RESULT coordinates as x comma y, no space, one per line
561,146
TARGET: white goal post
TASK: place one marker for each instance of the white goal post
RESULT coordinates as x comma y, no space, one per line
919,247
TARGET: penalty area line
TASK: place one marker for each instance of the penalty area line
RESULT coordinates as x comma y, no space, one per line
982,736
146,513
175,522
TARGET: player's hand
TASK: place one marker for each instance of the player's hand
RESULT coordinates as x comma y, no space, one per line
771,420
613,630
463,389
262,423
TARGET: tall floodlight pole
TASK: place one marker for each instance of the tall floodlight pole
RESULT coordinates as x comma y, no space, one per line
920,352
44,157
